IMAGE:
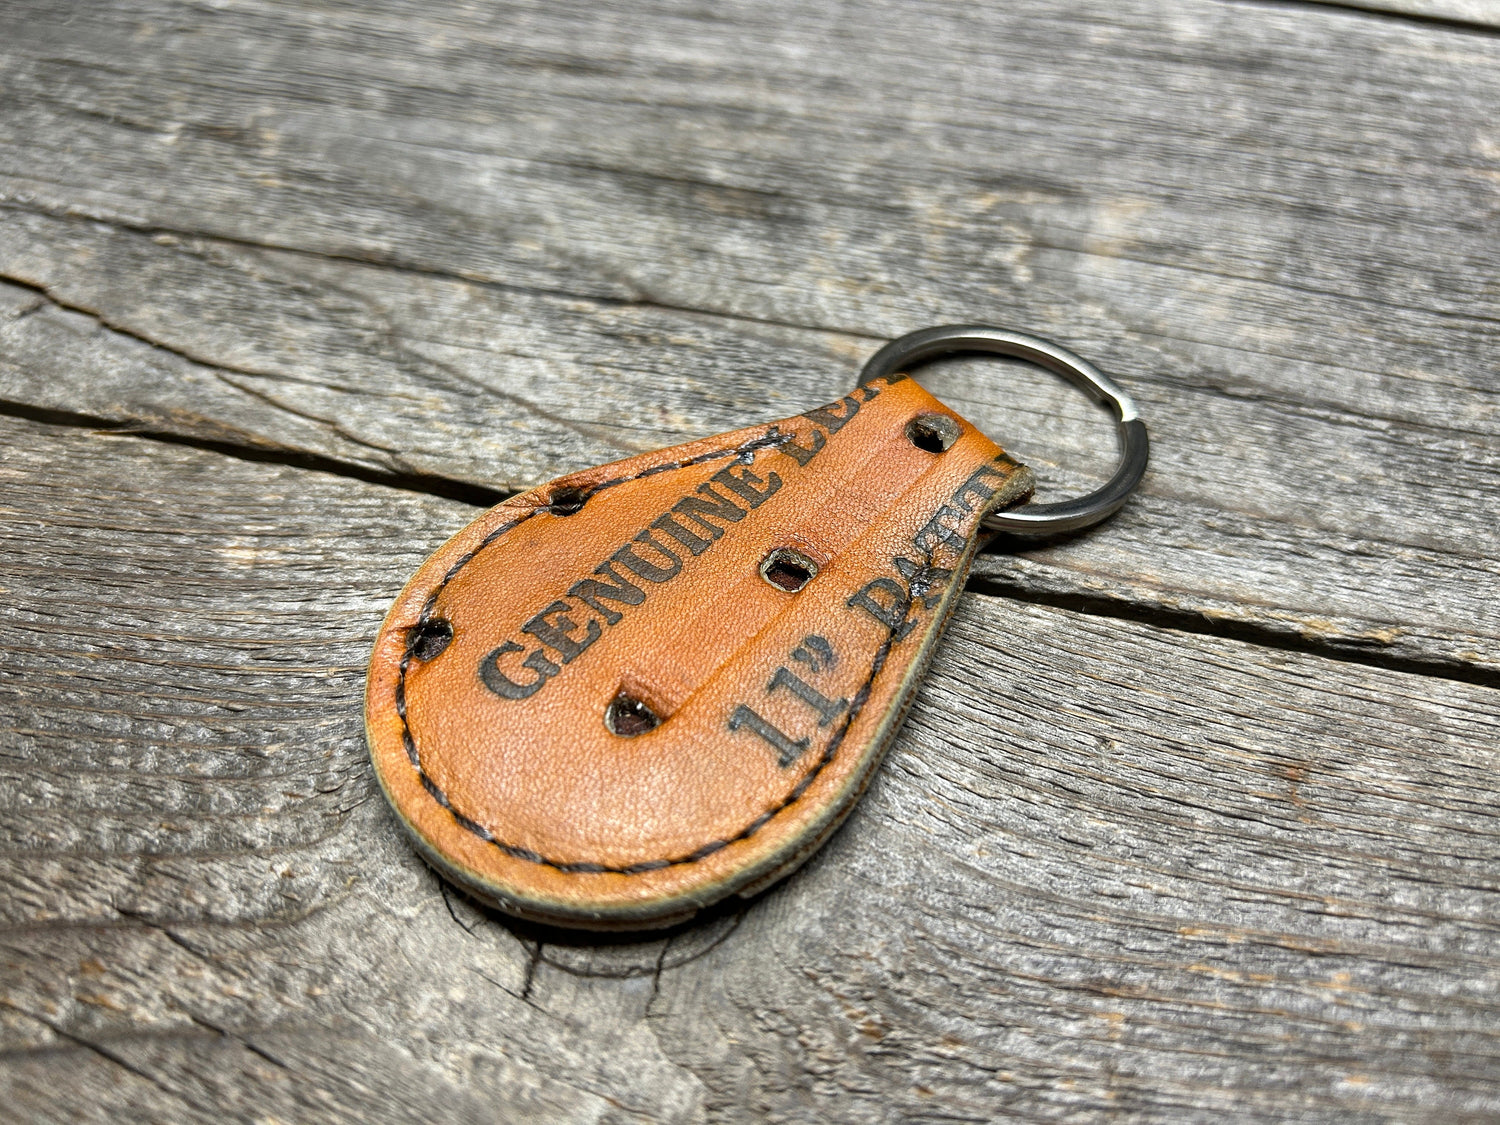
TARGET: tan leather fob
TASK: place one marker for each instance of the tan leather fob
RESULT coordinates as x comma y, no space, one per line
617,698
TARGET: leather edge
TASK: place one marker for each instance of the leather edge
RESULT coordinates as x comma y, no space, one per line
662,913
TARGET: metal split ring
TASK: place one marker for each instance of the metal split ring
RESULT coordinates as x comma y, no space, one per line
916,348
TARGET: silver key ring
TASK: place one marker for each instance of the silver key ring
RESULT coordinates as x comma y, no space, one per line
917,348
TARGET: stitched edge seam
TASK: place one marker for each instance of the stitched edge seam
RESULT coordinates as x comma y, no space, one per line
773,437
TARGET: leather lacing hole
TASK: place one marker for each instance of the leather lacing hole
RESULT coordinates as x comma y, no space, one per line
627,716
567,501
788,569
932,432
428,639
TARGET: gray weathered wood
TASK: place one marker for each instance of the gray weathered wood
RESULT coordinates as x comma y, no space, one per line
1477,14
1111,869
1275,223
1108,867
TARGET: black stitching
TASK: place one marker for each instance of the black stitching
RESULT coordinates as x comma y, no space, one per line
437,794
411,747
744,453
472,825
647,865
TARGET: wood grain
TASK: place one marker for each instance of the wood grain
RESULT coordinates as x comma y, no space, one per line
1480,15
1109,867
286,289
492,247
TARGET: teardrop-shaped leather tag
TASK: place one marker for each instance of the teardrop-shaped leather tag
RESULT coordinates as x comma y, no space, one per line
617,698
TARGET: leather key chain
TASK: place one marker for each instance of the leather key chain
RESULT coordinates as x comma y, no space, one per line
617,698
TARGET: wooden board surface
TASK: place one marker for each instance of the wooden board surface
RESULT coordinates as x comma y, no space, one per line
1467,15
1224,846
1139,870
493,248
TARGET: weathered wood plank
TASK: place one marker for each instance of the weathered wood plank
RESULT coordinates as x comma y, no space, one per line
1275,224
1108,868
1476,14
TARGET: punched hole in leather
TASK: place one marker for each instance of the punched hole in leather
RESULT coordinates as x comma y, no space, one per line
618,698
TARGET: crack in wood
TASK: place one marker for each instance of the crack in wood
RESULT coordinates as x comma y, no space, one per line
1394,12
427,484
99,1049
641,301
1264,632
1279,635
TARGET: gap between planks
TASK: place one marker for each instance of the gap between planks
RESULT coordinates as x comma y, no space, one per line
1477,17
1182,621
